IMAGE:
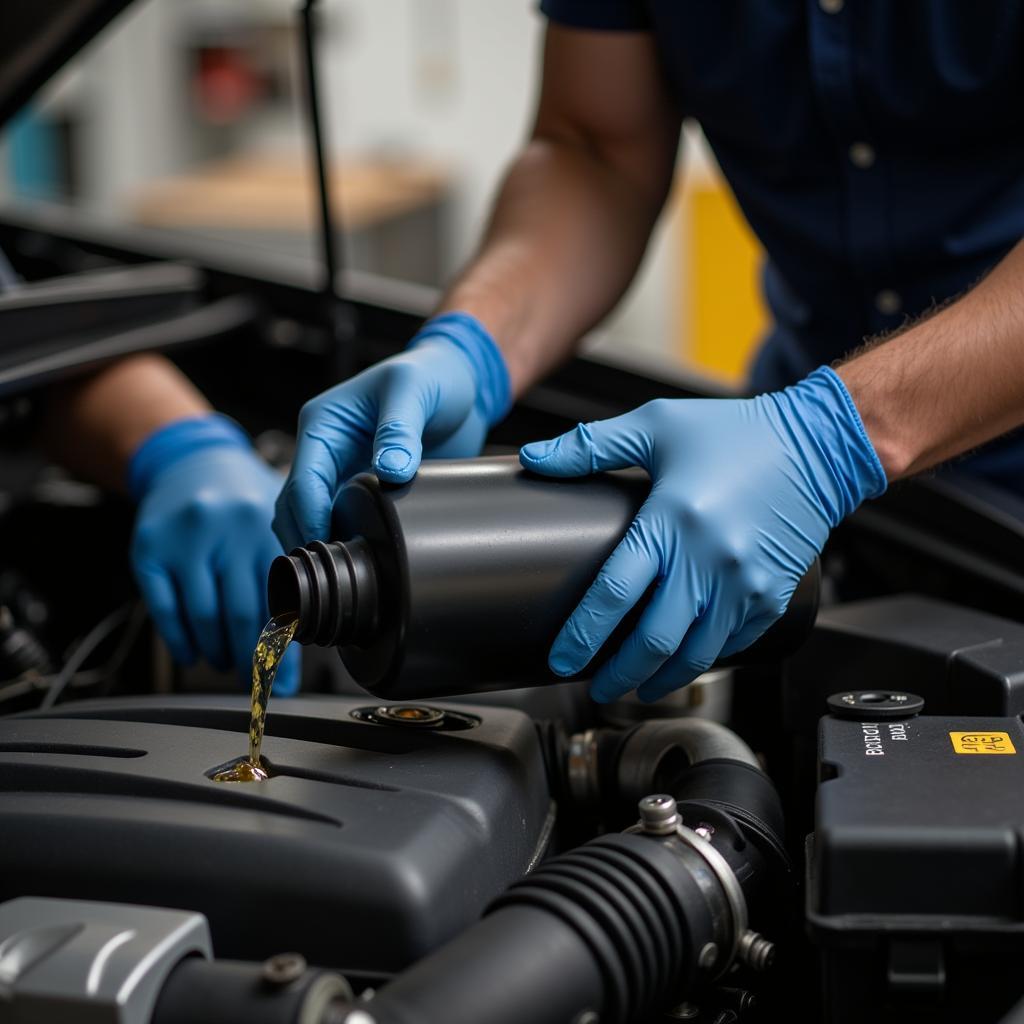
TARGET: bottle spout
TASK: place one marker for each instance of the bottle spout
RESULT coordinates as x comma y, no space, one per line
331,588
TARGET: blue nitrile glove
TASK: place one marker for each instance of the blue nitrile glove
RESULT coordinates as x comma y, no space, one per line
203,543
437,398
743,496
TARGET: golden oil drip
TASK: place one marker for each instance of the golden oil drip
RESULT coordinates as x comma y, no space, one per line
266,659
243,770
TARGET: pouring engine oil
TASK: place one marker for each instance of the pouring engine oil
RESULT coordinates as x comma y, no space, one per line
459,581
270,648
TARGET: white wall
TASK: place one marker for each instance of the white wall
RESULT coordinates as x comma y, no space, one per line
135,123
450,78
458,79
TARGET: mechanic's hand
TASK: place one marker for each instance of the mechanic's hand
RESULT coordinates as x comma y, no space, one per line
436,399
744,493
203,543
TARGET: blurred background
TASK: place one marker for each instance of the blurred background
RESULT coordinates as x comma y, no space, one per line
185,117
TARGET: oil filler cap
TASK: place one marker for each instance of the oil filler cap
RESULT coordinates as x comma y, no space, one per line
875,705
416,715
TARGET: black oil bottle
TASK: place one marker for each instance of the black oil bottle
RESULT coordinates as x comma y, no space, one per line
459,581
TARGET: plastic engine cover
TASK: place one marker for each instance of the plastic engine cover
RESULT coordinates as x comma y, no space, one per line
916,886
369,846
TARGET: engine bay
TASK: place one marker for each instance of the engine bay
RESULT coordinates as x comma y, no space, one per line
831,833
837,828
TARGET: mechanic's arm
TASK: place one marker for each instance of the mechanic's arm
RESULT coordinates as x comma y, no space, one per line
951,382
567,233
745,492
202,542
577,207
93,426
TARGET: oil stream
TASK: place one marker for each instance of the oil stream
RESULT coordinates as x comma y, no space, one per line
266,659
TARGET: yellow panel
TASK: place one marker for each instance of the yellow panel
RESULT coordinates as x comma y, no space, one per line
982,743
723,313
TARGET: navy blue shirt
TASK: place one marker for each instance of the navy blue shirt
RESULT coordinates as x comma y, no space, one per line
875,146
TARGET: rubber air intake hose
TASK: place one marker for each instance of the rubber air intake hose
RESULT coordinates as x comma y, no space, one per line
459,581
613,928
709,771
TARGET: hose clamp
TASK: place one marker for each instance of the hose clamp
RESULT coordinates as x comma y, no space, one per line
730,887
666,821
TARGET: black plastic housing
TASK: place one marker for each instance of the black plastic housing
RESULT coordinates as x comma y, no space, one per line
916,884
958,659
369,846
459,581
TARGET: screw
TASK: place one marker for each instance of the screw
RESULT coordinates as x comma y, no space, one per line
756,951
359,1017
284,968
658,814
341,1012
708,956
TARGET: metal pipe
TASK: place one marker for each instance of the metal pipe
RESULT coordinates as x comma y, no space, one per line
336,314
327,221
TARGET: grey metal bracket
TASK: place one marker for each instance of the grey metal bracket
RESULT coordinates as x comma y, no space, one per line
65,961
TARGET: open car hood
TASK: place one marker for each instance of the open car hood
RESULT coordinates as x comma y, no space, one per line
38,38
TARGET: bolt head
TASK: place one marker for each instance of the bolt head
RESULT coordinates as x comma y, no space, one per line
657,806
359,1017
658,814
284,968
708,956
657,802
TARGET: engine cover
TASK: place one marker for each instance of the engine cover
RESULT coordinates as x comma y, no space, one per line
370,845
916,885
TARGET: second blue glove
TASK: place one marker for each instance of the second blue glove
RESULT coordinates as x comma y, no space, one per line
203,543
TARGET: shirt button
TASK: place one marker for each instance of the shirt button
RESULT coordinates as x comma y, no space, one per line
831,6
862,155
888,302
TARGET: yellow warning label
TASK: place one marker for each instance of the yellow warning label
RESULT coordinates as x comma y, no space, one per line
982,743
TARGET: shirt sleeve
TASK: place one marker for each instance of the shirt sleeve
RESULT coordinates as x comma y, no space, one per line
622,15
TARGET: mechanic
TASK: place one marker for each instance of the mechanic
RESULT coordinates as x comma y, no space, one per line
202,542
877,150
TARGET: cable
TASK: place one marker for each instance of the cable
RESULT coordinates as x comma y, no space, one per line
32,681
117,659
75,660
